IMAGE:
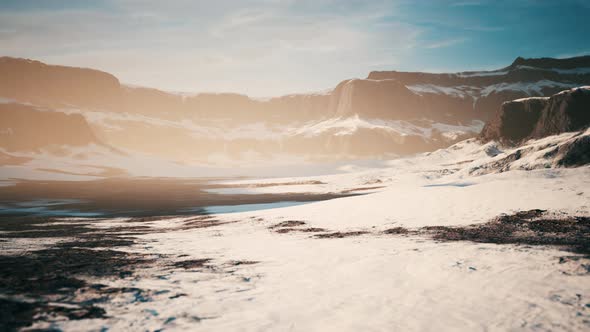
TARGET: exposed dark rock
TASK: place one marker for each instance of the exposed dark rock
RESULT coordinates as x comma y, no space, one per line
576,153
534,118
192,263
396,230
525,227
288,223
515,121
50,285
339,235
235,263
566,111
18,314
57,273
301,230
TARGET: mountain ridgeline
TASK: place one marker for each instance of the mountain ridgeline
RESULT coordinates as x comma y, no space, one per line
388,113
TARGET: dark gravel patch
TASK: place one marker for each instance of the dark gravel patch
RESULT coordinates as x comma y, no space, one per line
531,227
56,275
396,230
49,284
301,230
339,235
288,223
191,263
236,263
18,314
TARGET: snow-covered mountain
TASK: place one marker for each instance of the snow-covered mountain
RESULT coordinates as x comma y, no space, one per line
386,114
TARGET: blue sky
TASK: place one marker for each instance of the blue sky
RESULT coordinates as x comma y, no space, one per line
274,47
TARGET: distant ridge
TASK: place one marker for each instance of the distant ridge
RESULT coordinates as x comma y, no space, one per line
549,63
388,113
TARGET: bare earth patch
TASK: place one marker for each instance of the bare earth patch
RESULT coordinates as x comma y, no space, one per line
291,226
533,227
192,263
396,230
339,235
51,284
288,223
301,230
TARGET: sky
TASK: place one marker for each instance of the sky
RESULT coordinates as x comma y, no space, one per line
274,47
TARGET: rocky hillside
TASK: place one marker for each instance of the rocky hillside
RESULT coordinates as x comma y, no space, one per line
388,113
480,94
29,81
538,117
24,128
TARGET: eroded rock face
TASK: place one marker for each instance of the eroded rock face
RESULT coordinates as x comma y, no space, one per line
565,111
515,121
528,118
34,82
576,153
487,90
457,97
26,128
385,99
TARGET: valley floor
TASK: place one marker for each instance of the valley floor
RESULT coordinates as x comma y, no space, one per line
436,243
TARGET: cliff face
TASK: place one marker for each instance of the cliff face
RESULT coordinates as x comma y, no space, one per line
386,99
56,86
456,97
565,111
24,128
527,118
515,120
387,113
485,91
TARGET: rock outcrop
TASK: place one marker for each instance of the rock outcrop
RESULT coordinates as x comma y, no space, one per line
522,119
24,128
566,111
515,121
29,81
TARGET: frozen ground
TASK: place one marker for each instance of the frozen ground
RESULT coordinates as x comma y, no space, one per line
337,265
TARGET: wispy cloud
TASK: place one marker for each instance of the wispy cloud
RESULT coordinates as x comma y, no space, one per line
445,43
259,47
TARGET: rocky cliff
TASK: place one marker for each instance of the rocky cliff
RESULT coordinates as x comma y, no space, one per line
386,113
24,128
522,119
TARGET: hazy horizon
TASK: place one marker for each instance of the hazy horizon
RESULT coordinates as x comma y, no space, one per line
273,48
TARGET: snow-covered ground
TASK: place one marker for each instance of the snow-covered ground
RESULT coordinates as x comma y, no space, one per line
373,281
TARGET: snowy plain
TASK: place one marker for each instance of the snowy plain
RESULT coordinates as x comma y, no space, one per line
295,281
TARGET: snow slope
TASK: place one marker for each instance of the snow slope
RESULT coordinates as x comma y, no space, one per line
375,281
